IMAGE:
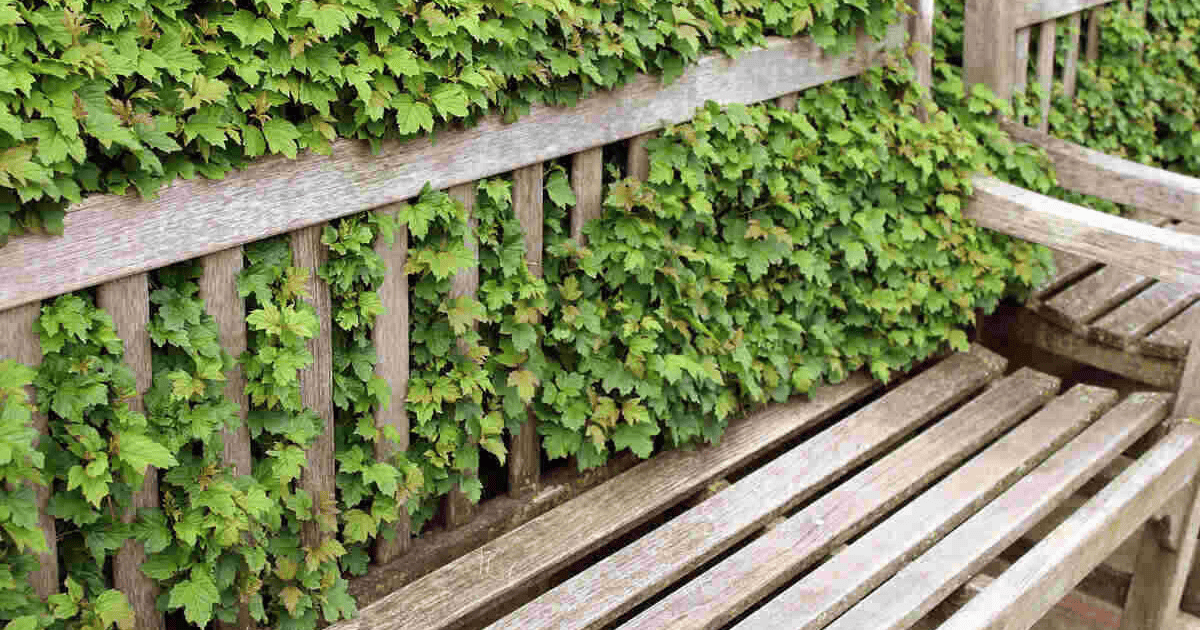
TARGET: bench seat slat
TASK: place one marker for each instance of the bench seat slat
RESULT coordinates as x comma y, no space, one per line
448,596
917,588
1172,340
1071,267
1081,303
1144,312
737,582
608,589
833,587
1051,569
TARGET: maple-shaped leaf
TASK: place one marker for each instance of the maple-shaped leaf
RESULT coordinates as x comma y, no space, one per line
526,383
291,596
281,136
638,438
196,595
559,189
113,609
267,319
450,100
204,90
140,451
358,526
463,312
412,117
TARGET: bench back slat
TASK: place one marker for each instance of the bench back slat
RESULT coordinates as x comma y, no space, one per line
525,453
390,337
1045,70
457,508
128,302
218,289
587,182
20,343
316,384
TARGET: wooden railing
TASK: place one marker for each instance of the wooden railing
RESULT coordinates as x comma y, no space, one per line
112,243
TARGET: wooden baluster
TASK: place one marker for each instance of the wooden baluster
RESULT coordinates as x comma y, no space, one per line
391,348
524,453
20,343
316,386
587,181
458,507
1071,66
128,302
988,35
637,163
218,289
788,101
920,31
1021,70
1045,69
1093,36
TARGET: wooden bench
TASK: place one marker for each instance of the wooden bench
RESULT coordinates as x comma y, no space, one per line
871,508
1124,322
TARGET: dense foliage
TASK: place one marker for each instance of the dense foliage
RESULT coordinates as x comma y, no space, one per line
104,96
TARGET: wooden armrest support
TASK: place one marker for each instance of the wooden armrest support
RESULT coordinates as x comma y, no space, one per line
1147,250
1094,173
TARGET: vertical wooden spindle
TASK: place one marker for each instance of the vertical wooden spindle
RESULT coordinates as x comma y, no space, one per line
391,350
316,386
1071,66
1093,35
587,182
458,507
988,36
1045,69
128,302
637,164
920,32
788,101
1021,71
524,453
218,289
20,343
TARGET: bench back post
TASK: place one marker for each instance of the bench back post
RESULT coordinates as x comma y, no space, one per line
989,45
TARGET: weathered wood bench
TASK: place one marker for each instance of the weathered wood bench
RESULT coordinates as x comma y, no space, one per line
1119,320
872,507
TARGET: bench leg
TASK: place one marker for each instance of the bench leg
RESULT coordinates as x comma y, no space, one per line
1163,561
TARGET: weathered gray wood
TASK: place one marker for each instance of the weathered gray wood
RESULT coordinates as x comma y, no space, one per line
1045,70
390,336
1160,572
1021,69
1094,173
556,538
1071,64
726,590
524,452
456,507
1093,36
918,587
920,33
637,161
587,182
1187,400
832,588
626,578
128,302
988,44
1172,340
108,237
316,388
1051,569
1068,267
1126,325
1031,329
788,101
1081,303
20,343
1140,248
1042,10
218,289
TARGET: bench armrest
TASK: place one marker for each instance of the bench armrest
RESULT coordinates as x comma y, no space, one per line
1163,254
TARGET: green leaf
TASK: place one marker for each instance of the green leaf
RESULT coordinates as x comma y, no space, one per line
140,451
450,100
113,609
638,438
526,383
196,595
281,136
412,116
559,190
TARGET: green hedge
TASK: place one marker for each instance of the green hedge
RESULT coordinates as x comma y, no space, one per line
103,96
